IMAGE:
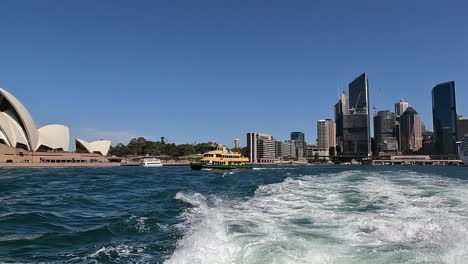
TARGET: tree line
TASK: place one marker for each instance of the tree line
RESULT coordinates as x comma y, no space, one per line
142,147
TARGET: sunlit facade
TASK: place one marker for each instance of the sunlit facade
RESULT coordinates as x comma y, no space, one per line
21,141
18,130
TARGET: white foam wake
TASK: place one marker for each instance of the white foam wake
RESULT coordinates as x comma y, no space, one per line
349,217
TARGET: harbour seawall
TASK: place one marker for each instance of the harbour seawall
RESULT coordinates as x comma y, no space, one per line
57,165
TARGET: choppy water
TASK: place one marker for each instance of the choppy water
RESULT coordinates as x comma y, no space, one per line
271,215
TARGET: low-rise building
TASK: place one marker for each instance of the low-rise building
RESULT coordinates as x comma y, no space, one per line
317,154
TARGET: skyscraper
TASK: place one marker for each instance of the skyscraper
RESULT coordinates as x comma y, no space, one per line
326,134
301,145
384,133
444,116
401,107
410,130
341,109
423,127
356,125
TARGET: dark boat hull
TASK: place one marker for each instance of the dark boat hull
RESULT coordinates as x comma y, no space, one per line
200,166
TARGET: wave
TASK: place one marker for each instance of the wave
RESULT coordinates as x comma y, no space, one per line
120,253
346,217
274,168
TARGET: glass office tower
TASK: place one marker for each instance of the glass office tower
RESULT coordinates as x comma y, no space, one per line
444,115
341,109
356,125
384,133
301,145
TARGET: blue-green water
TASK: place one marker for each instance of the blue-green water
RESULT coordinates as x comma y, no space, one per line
270,215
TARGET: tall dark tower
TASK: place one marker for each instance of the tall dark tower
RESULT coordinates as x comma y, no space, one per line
341,109
444,116
301,145
384,133
356,125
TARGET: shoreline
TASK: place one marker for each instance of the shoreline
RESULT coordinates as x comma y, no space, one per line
58,165
114,165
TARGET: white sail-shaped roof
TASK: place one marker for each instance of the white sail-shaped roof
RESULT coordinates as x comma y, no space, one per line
23,118
7,132
17,134
54,137
100,146
17,127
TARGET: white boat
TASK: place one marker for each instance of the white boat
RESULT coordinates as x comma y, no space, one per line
151,162
463,151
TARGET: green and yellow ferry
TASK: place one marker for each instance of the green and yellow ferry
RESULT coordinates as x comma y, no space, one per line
222,159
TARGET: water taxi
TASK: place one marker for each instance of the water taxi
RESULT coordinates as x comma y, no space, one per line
151,162
222,159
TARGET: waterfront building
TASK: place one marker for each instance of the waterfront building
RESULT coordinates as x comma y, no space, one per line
316,154
341,109
279,151
386,143
237,143
326,135
292,148
252,146
285,150
266,150
261,148
301,145
356,125
309,151
410,130
22,142
462,127
444,114
427,143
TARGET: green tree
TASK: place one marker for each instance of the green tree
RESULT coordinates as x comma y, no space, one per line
185,150
141,147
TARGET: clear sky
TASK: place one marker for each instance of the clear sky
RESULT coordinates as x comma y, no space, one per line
200,70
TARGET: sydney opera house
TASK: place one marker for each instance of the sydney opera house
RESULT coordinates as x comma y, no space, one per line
22,142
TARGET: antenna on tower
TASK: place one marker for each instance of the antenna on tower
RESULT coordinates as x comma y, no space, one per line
379,94
339,86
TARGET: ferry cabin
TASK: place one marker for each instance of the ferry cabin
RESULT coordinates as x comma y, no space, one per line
218,157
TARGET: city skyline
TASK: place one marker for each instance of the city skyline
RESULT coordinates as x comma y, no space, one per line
173,60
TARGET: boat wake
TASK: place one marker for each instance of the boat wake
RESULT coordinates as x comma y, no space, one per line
346,217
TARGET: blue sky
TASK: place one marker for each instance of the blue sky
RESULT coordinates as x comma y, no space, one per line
196,71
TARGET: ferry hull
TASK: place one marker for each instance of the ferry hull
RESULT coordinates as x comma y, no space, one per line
200,166
151,165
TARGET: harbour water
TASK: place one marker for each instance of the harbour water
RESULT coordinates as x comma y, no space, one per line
333,214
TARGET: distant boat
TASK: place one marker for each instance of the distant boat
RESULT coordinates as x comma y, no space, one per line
221,159
151,162
463,151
